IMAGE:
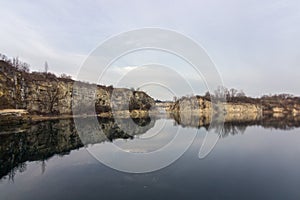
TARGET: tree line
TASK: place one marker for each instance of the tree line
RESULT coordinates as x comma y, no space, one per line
16,63
21,66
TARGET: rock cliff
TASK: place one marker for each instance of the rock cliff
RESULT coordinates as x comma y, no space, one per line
203,106
44,93
198,111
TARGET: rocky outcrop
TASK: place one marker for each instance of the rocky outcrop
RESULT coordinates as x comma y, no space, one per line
279,112
202,106
277,104
44,93
281,105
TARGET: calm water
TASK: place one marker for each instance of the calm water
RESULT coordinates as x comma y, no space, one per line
48,160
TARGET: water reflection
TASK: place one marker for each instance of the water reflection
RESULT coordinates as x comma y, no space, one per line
40,141
235,124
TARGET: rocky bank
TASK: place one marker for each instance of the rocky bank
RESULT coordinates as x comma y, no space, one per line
198,111
45,94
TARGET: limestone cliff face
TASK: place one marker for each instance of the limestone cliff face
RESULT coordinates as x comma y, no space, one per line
202,106
42,93
199,111
242,111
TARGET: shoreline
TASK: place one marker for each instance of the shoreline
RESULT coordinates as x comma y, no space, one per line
233,112
19,116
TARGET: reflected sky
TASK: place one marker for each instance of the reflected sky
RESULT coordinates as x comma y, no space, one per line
256,164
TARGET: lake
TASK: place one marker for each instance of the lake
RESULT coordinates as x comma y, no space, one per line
51,160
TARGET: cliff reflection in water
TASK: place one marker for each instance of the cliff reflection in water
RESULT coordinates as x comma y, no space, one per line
41,141
234,124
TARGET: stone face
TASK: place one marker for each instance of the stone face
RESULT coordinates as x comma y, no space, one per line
272,111
272,105
41,93
199,105
198,111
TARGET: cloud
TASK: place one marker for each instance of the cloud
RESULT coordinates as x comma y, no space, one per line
22,40
254,44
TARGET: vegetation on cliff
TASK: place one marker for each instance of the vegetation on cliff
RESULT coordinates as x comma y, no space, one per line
238,101
45,93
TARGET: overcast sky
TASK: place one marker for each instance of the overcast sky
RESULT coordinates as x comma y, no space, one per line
254,44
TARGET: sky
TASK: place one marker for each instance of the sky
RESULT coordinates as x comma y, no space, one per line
253,44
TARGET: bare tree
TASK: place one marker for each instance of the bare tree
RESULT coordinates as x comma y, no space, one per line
16,62
43,166
65,76
221,92
3,57
53,94
46,67
241,93
24,67
233,92
49,96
